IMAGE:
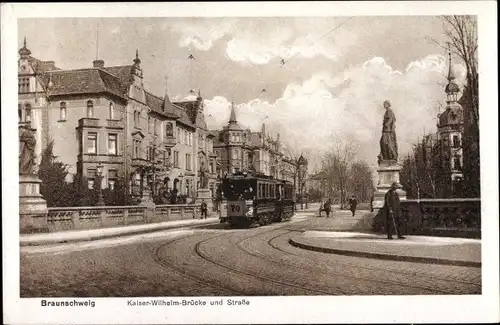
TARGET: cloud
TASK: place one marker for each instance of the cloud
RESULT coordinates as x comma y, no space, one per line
260,40
312,112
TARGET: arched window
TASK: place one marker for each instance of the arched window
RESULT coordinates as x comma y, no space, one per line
90,109
150,128
27,112
111,111
169,129
62,111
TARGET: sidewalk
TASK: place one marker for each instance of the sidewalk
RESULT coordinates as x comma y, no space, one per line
419,249
103,233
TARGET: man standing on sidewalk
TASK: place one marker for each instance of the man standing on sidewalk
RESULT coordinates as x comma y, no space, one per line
203,209
328,207
392,211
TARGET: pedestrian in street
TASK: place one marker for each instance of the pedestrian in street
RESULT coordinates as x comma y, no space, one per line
203,209
392,210
328,207
352,205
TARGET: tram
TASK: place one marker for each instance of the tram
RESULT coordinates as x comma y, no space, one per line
255,199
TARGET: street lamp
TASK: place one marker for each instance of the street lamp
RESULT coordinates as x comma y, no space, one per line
301,162
100,201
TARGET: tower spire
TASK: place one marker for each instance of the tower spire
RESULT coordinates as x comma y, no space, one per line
451,75
232,117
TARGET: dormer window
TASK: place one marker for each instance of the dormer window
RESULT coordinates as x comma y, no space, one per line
90,109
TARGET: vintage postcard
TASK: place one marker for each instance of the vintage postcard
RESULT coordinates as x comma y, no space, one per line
324,162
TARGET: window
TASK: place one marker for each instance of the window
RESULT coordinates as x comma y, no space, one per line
91,176
111,111
137,117
169,129
178,135
24,84
456,163
445,141
20,113
176,159
92,142
137,148
456,141
62,111
27,112
112,144
112,176
155,130
188,161
90,109
185,137
212,167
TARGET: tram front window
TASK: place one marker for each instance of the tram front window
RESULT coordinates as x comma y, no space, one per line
239,191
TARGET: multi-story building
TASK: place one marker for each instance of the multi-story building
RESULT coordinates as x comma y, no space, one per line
442,152
104,117
239,149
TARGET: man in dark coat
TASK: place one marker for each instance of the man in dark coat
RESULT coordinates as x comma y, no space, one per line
328,207
392,209
204,209
352,205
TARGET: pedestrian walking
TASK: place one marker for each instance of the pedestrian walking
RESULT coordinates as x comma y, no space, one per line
328,207
203,209
392,210
352,205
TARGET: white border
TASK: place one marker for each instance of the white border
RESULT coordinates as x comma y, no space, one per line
437,309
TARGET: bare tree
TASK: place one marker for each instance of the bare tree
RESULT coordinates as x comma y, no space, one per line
336,165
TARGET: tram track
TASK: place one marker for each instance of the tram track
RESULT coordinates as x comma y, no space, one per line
431,286
169,265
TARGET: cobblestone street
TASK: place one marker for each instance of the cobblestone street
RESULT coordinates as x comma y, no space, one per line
215,260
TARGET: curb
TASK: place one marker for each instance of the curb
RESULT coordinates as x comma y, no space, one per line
108,236
401,258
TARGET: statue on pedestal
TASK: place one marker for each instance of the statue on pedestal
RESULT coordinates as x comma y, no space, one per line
203,176
27,154
388,143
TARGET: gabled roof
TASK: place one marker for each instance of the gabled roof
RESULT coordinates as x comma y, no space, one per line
84,81
156,105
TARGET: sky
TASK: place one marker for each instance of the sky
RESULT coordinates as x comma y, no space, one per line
337,71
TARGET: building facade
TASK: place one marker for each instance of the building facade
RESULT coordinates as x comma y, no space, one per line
104,117
240,149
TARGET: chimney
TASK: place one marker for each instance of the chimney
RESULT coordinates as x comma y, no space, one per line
98,63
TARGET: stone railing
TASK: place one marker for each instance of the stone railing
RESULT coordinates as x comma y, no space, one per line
75,218
461,217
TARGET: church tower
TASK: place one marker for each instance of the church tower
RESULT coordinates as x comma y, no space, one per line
450,130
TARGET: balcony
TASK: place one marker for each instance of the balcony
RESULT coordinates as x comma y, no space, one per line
169,142
96,158
88,122
139,162
115,124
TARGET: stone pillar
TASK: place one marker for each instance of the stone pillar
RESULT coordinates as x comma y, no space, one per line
147,201
388,172
32,207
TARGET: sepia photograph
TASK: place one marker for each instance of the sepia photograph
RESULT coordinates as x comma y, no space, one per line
212,161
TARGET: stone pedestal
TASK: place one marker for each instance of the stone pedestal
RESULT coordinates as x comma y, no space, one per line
388,172
204,194
32,207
